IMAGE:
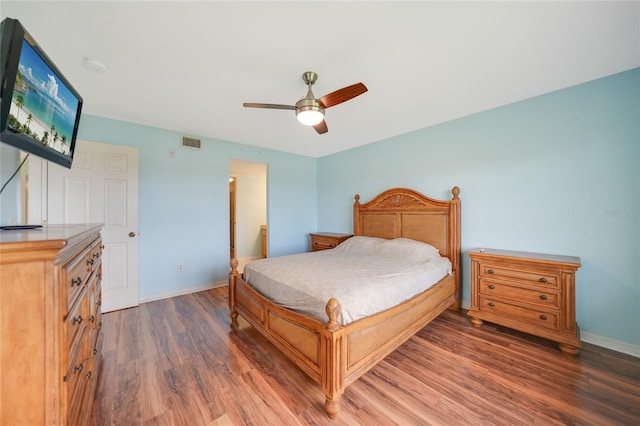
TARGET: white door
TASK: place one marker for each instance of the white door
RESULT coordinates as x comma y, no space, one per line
102,187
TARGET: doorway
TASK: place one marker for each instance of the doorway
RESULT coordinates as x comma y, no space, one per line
247,211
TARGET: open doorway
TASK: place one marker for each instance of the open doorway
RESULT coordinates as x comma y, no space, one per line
247,211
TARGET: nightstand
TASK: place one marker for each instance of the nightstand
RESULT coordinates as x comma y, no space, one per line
529,292
327,240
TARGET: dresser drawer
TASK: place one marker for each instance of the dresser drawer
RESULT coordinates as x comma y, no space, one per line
96,251
74,378
542,297
75,324
95,313
529,274
96,351
76,390
75,274
74,372
537,317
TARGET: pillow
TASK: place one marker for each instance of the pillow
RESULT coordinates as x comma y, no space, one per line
360,245
407,249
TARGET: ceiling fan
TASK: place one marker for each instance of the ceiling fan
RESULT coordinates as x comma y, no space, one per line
309,110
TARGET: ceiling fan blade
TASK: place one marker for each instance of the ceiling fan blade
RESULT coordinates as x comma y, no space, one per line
272,106
342,95
321,127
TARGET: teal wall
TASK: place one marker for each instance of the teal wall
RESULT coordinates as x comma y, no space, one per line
558,173
184,202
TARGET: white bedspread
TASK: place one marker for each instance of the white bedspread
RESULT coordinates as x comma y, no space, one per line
366,275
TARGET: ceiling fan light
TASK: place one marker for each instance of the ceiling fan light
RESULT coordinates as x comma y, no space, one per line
310,117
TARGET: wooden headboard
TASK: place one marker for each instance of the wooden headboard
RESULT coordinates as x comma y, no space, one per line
405,213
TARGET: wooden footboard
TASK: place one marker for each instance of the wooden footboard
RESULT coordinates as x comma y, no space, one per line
295,335
333,355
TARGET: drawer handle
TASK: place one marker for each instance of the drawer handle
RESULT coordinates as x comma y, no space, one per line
90,261
75,281
490,271
315,243
92,319
78,368
491,286
95,351
330,245
77,320
88,375
491,304
100,324
96,255
543,317
543,297
543,280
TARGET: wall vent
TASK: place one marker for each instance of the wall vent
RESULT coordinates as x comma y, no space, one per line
191,143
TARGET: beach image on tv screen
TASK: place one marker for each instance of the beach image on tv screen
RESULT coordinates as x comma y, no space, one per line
42,107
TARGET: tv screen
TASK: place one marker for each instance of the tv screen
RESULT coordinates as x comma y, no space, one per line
40,110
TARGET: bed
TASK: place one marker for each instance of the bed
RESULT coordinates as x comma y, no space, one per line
338,349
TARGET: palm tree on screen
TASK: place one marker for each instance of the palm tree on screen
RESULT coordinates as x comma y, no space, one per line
19,104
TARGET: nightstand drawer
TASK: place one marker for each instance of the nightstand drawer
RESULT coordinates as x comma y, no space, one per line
538,317
323,244
549,299
327,240
531,275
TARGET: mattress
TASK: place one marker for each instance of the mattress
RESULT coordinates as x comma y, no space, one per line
366,275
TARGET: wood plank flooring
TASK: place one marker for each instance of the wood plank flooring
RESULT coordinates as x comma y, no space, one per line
176,362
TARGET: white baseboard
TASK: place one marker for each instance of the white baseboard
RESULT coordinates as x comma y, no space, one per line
594,339
614,345
182,291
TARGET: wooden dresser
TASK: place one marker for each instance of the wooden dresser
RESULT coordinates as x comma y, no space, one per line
50,324
530,292
327,240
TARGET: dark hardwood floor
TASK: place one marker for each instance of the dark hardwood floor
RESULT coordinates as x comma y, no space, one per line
176,362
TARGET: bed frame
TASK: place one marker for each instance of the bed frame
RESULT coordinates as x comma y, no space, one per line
334,355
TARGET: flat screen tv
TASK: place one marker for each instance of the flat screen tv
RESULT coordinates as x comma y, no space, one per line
39,109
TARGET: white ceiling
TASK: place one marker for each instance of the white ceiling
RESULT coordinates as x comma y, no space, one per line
189,66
